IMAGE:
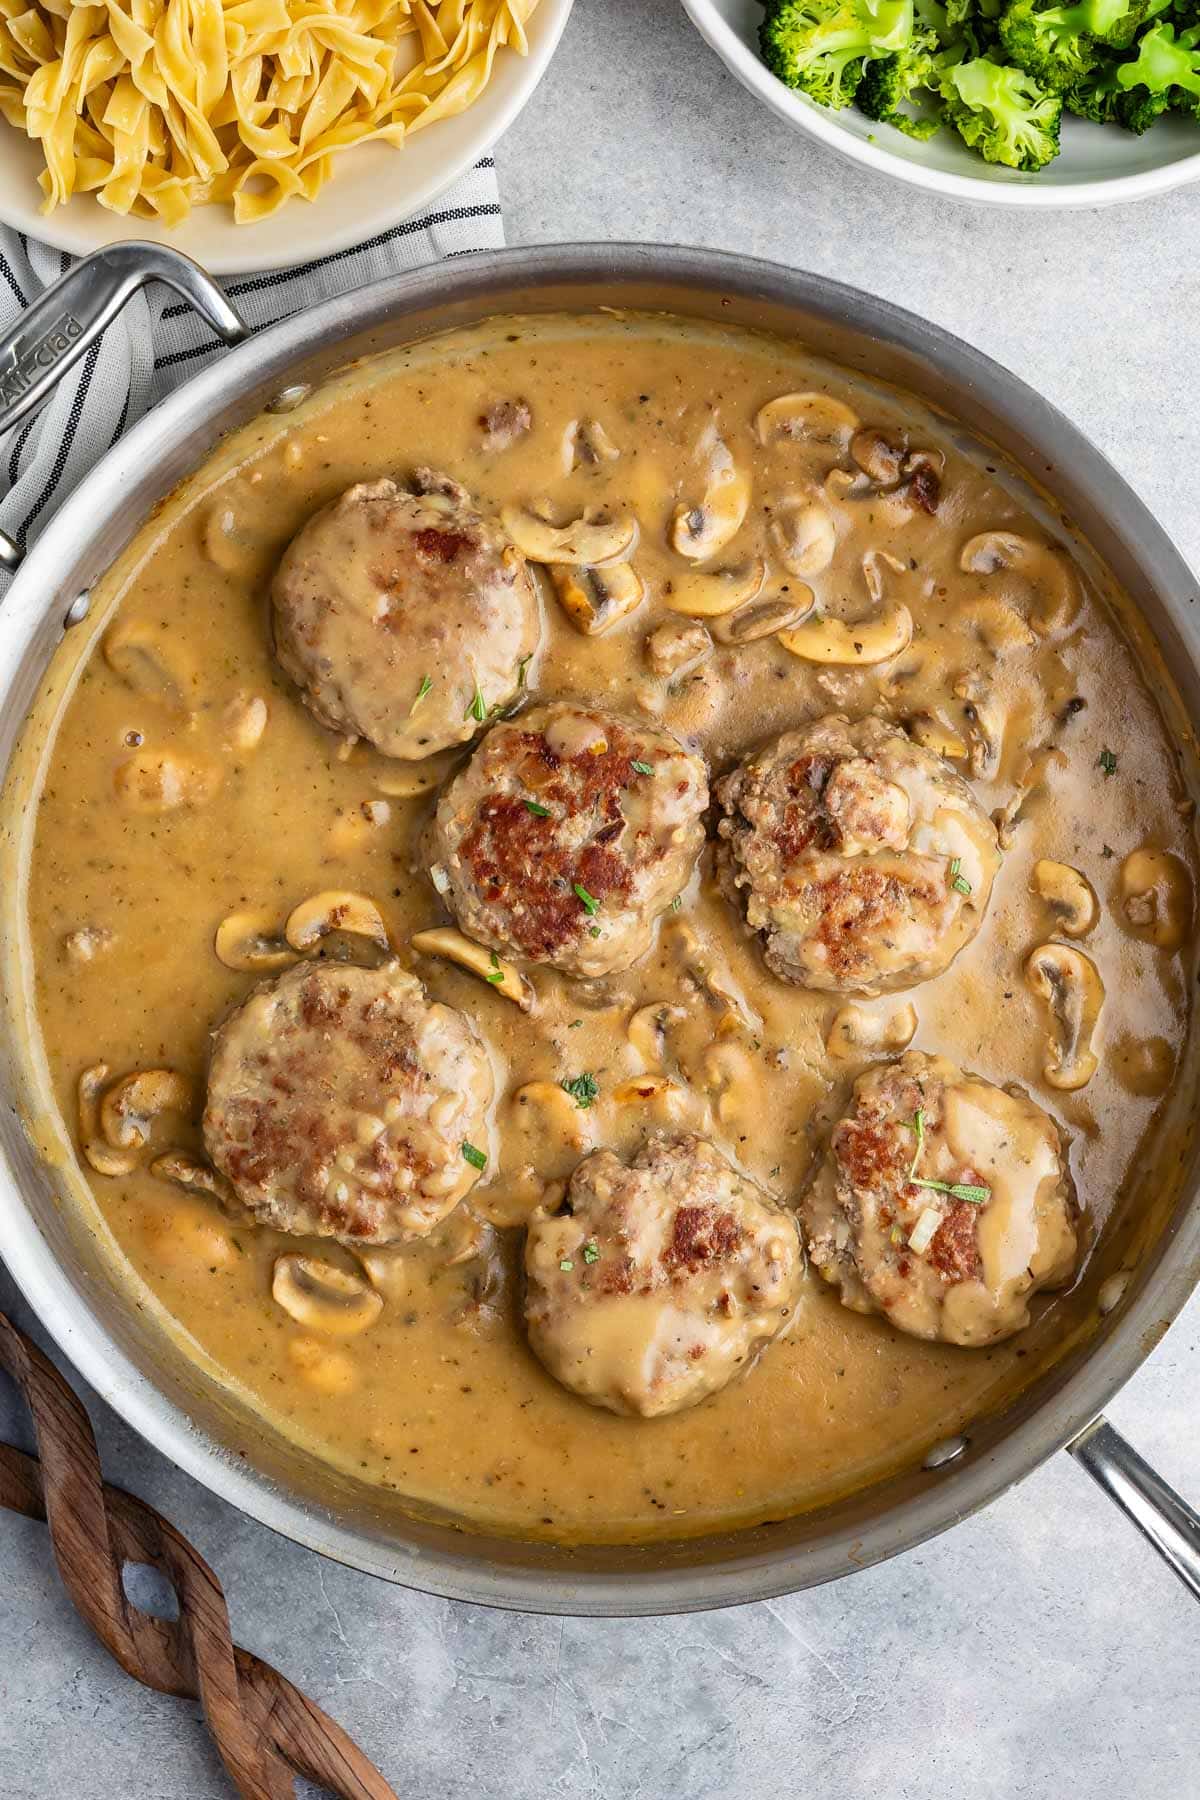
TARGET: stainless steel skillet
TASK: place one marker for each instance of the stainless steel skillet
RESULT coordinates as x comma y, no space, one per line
1140,1274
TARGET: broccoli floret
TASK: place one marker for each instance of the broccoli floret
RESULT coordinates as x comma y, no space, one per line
890,83
1098,97
1164,74
1002,113
1061,45
819,46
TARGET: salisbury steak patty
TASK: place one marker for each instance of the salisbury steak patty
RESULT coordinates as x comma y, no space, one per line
862,860
943,1203
339,1102
566,835
654,1284
405,618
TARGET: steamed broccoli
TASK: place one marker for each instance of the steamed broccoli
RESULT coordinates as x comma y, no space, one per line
1061,45
890,83
1098,96
1164,75
820,46
1002,113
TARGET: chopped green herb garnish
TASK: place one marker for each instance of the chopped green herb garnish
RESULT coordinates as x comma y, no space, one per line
537,809
521,668
476,1158
575,1024
583,1089
495,973
958,881
566,1265
676,903
958,1190
590,904
425,687
593,931
643,768
1107,760
591,1253
478,708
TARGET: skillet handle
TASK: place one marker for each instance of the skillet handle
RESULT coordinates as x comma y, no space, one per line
53,333
1159,1513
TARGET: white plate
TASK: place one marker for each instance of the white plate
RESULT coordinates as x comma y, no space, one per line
373,188
1098,165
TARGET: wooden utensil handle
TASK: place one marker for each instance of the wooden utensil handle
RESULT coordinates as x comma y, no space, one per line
266,1731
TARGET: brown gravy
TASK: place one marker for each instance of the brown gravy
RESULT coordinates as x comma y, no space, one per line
132,873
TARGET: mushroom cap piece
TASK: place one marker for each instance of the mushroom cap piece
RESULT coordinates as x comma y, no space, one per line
943,1202
567,834
341,1103
405,618
656,1283
863,860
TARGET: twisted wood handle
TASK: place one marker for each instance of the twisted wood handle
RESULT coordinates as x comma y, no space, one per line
266,1731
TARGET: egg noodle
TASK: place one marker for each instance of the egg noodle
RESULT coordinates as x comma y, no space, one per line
156,106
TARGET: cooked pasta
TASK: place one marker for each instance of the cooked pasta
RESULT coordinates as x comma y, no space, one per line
156,106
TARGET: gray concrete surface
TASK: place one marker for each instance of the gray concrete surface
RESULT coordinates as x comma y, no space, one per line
1036,1651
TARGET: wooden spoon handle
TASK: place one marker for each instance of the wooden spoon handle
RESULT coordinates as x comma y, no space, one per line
266,1731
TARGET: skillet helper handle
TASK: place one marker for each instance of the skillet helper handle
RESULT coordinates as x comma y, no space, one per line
63,323
1159,1513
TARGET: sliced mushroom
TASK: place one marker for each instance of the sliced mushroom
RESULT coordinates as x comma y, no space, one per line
335,912
1069,895
876,457
1069,985
159,781
136,654
1050,576
647,1031
818,417
701,532
596,599
999,625
103,1157
708,593
985,724
225,543
88,942
323,1297
249,941
555,1131
130,1106
321,1367
676,646
1156,892
643,1090
854,1031
806,538
351,830
244,721
933,735
868,641
405,781
1033,784
872,574
765,618
586,444
594,538
443,940
712,978
504,422
387,1269
196,1177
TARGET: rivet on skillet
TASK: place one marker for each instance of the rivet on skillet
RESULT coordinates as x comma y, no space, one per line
948,1451
78,610
289,398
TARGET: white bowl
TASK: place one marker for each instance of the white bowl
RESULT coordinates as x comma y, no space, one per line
373,188
1099,165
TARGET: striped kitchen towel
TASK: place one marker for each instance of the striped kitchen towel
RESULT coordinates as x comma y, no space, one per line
157,342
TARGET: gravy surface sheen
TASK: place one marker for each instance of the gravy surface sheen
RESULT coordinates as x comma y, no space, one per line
441,1399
